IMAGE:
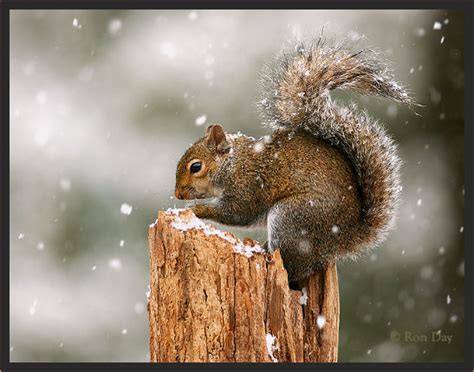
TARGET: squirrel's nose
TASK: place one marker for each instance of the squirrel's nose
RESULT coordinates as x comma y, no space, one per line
178,195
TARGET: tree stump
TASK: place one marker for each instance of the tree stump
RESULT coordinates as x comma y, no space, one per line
214,298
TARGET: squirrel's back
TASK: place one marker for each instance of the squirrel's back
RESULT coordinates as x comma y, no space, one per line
297,97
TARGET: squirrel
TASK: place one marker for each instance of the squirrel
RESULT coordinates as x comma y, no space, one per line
326,182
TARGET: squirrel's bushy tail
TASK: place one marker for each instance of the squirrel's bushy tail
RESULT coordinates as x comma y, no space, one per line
298,96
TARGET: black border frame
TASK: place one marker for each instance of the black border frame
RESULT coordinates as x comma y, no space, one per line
467,6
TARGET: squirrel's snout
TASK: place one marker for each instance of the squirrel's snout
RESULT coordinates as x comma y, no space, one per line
178,195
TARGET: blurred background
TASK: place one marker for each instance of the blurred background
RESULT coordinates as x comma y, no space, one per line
103,104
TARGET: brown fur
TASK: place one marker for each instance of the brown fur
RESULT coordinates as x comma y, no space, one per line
326,182
290,166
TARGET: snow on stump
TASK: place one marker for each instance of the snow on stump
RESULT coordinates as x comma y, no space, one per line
214,298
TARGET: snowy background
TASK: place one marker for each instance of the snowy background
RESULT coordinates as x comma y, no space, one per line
103,103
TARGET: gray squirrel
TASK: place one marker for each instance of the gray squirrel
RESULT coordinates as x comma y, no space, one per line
326,182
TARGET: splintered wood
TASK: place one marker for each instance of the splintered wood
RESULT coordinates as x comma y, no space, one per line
214,298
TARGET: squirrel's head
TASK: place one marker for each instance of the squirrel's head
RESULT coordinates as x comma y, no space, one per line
199,163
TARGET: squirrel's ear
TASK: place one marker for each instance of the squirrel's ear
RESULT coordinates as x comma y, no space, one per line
216,138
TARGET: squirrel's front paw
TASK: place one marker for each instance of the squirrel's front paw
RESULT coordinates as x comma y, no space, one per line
202,210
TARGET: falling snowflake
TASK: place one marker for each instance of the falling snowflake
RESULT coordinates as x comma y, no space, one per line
321,321
200,120
126,209
115,25
420,32
76,24
115,264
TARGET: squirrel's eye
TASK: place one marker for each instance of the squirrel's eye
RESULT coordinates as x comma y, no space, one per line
195,167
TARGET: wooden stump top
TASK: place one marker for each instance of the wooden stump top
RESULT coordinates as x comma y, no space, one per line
215,298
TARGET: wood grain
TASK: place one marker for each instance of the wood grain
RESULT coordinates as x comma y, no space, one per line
209,303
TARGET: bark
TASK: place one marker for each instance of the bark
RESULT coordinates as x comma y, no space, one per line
214,298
